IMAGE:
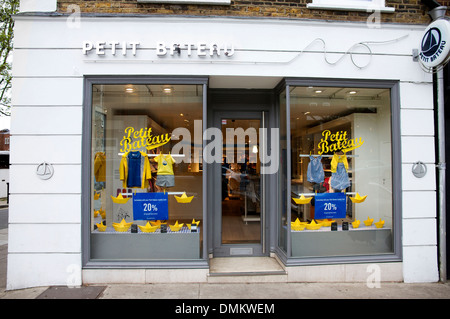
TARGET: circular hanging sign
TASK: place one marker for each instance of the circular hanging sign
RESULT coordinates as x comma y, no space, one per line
435,45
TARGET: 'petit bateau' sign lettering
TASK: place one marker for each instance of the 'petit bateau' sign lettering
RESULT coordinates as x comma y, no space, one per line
435,46
126,48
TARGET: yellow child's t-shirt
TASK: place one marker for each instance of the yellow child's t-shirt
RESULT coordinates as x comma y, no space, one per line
165,164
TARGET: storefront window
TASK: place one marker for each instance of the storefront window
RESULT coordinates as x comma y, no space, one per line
340,171
282,186
147,177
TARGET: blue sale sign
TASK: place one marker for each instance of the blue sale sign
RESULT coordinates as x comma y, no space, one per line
150,206
330,205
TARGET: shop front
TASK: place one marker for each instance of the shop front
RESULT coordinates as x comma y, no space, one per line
189,148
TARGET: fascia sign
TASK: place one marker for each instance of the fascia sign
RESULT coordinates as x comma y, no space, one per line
127,48
435,45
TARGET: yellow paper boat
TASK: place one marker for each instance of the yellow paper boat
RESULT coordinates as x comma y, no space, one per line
96,212
298,225
356,223
368,222
302,200
184,198
156,223
96,196
326,222
193,222
358,198
313,225
119,199
101,227
148,228
123,226
176,227
379,224
102,213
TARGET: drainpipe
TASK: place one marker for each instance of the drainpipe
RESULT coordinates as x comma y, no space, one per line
441,173
438,12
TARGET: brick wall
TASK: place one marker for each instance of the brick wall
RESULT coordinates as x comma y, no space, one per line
406,11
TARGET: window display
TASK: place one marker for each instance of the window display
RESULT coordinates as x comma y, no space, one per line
146,202
340,171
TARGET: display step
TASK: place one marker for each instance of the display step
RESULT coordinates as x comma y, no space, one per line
246,269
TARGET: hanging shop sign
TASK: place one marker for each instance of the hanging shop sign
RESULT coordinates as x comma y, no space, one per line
338,142
151,206
137,139
435,46
330,205
126,48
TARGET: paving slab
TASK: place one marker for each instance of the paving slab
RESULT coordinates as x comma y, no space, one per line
60,292
29,293
151,291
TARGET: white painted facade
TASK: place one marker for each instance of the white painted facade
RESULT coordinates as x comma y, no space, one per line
45,244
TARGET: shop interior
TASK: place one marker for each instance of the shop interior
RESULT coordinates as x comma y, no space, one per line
120,114
359,116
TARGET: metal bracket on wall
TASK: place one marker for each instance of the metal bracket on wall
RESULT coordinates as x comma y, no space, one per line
415,55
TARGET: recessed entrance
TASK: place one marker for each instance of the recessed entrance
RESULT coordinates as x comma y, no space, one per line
239,196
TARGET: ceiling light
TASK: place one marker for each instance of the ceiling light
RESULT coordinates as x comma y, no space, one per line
318,91
167,90
352,92
129,90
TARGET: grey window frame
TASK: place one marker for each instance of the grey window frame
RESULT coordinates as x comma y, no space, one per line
393,86
89,81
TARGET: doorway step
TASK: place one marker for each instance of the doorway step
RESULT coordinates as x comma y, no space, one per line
246,269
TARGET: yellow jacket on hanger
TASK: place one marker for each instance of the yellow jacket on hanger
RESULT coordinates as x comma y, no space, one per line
100,167
338,159
145,170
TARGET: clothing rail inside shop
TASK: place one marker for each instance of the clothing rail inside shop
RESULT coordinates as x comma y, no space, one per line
169,193
315,155
314,194
154,155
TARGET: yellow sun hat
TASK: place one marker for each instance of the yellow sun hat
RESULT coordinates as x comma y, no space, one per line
148,228
184,198
358,198
119,199
302,200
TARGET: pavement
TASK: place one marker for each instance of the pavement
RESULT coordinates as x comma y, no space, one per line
213,292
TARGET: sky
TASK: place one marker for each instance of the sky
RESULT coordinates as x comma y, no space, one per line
5,122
